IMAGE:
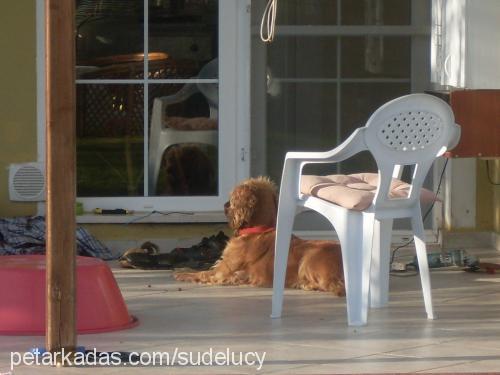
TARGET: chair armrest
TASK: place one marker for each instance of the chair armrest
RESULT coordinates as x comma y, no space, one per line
295,161
456,138
184,93
351,146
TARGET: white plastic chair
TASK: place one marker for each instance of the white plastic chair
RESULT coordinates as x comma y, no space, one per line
162,137
410,130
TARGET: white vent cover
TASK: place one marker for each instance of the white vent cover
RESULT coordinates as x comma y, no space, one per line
27,182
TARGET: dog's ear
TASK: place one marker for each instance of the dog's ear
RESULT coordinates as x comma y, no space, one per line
242,204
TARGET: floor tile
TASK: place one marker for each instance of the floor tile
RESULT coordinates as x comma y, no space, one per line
312,336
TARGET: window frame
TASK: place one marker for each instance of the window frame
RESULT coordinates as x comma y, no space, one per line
234,120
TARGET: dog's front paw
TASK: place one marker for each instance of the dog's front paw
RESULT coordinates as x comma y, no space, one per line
338,289
186,276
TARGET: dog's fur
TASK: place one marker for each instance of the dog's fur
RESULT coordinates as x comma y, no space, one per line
249,258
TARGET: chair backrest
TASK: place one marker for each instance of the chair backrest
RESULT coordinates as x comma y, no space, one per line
210,90
410,130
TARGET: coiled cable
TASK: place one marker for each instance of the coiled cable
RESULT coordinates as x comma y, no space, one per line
268,23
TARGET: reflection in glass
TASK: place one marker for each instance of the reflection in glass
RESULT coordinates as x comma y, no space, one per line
303,57
307,12
359,101
109,39
376,12
376,56
183,148
110,140
303,118
187,32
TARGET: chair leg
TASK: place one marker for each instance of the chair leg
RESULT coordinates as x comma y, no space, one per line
356,252
153,173
379,275
423,265
287,206
154,144
286,215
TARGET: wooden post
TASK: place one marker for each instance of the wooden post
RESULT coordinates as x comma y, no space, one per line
61,172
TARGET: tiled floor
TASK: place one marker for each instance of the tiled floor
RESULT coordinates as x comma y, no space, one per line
312,337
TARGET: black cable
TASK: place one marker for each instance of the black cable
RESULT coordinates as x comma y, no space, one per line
158,212
425,215
490,179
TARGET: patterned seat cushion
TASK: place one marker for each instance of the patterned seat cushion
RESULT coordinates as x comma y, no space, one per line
191,123
355,191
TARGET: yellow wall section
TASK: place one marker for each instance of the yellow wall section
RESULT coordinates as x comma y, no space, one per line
488,196
144,232
17,96
484,198
495,176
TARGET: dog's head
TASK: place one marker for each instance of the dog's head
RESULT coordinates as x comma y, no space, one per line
254,202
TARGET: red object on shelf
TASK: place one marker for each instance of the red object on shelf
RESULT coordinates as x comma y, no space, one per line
99,303
478,114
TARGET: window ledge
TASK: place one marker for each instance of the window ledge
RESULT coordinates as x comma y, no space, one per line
148,218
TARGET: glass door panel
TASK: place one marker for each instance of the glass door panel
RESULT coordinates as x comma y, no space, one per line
186,112
110,140
186,33
109,39
153,134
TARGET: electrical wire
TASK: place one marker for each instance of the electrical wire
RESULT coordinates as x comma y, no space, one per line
426,213
135,219
268,23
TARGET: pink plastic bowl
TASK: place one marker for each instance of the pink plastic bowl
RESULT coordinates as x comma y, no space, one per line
99,304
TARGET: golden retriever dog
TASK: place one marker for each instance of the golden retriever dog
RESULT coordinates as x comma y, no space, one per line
249,256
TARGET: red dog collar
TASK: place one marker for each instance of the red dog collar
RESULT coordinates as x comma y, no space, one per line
255,230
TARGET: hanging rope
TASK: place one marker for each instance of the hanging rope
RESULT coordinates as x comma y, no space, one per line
268,23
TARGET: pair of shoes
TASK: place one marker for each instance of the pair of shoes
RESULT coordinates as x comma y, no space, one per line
202,255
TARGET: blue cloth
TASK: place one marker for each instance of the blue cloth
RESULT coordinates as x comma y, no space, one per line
26,235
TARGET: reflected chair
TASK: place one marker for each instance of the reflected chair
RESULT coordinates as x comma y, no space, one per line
162,136
411,130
